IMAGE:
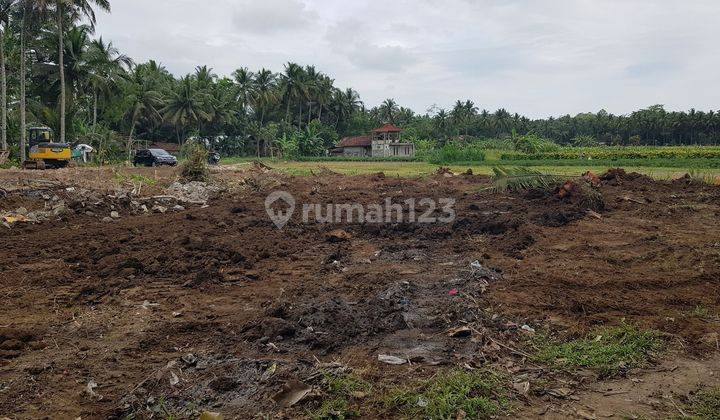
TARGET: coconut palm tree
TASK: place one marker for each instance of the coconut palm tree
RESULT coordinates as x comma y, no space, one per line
222,104
5,8
293,87
142,102
323,94
345,103
107,66
204,78
266,93
245,83
185,106
388,110
28,13
312,80
76,9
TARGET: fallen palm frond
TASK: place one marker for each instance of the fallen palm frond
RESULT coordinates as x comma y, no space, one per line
518,178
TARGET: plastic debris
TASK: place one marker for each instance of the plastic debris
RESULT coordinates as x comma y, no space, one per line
459,332
292,393
391,360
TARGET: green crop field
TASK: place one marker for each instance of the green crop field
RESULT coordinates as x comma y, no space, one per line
419,169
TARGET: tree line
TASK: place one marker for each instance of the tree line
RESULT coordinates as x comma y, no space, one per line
54,71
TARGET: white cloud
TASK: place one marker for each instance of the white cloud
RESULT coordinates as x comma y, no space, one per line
272,16
539,57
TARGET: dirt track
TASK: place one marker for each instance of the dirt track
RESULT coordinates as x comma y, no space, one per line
216,307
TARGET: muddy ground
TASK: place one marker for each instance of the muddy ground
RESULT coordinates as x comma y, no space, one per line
122,299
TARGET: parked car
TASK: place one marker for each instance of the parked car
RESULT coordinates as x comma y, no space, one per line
154,157
214,158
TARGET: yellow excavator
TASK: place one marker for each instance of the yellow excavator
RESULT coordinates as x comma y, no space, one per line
44,152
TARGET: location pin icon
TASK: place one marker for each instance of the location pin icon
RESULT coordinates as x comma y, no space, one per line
279,217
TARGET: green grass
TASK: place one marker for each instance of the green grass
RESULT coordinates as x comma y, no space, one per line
705,405
133,178
340,390
701,311
606,351
620,152
478,393
420,169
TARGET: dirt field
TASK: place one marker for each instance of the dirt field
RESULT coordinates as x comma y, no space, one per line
126,299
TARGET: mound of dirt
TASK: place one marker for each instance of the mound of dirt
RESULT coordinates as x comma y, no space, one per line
122,304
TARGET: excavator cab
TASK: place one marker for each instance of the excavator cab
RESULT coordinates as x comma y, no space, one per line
44,152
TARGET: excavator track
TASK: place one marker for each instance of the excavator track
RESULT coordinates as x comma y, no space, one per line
35,164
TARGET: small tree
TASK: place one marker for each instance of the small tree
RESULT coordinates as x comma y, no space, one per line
195,166
532,143
289,145
584,141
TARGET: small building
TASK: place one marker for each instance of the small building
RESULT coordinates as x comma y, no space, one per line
357,146
385,141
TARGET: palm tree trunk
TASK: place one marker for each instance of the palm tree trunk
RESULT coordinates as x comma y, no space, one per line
23,82
309,112
320,113
61,64
3,93
300,116
130,139
95,109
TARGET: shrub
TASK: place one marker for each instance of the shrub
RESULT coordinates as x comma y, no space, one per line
494,144
452,152
195,166
584,141
289,145
532,143
607,350
478,393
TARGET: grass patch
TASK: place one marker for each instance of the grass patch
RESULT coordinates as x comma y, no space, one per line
701,311
342,390
705,405
133,178
477,393
607,351
418,169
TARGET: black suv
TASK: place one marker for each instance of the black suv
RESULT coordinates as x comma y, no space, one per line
154,157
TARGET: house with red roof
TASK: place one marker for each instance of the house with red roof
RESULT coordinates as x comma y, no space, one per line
385,141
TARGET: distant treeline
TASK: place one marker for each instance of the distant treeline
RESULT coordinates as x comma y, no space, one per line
92,93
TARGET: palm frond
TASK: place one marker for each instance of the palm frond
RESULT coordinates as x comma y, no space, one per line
518,178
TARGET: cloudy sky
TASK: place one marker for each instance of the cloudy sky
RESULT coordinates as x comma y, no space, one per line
535,57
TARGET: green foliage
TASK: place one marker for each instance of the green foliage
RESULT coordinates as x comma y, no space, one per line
357,159
453,152
289,145
517,178
316,139
478,393
195,165
532,143
106,89
494,144
620,152
122,177
584,141
340,388
705,405
607,350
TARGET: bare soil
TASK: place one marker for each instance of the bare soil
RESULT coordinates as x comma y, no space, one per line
211,307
